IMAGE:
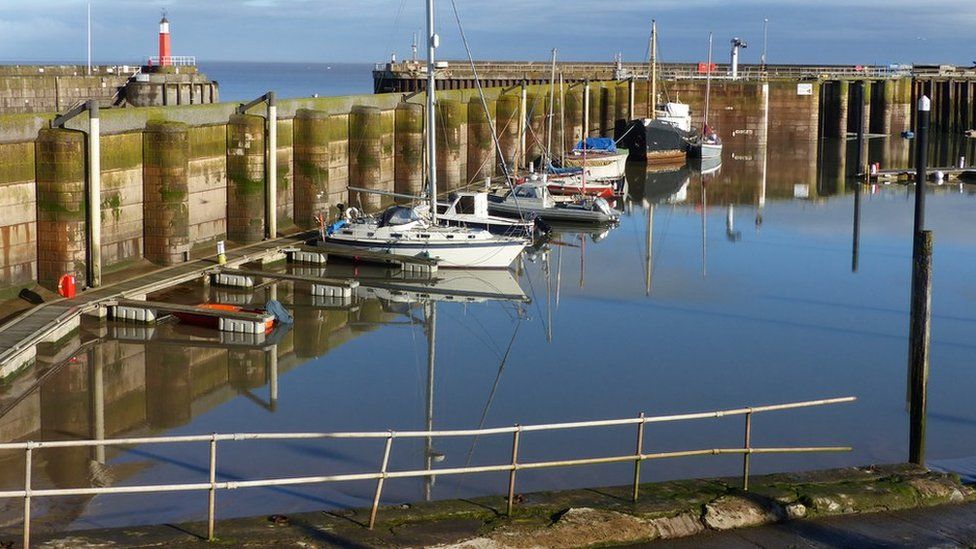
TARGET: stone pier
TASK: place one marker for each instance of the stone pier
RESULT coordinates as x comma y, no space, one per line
507,126
365,153
451,144
481,148
166,199
408,149
245,178
61,210
312,140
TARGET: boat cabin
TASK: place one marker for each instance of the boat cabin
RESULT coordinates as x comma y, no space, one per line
475,204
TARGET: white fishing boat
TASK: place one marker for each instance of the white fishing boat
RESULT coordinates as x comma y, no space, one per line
663,137
416,230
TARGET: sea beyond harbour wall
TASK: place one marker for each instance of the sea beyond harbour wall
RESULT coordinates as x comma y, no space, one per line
176,179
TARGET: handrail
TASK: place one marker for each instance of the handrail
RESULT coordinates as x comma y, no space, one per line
173,60
212,485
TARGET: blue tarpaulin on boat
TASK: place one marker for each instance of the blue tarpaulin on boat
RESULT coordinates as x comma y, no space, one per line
597,143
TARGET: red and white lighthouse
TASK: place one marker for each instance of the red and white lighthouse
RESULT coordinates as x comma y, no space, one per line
165,49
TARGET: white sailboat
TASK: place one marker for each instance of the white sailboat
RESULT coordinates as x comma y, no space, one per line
708,144
416,231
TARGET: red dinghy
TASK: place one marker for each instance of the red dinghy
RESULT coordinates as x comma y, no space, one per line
211,321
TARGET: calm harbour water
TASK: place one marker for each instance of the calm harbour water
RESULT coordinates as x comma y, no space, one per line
742,293
243,81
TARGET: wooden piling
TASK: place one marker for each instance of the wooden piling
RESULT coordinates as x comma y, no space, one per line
919,339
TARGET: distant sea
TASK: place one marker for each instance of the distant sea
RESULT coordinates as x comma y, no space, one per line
242,81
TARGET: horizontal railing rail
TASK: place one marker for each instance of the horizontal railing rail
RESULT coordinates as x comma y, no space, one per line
173,60
212,485
490,69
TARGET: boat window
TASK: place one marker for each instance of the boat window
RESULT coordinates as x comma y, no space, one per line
450,236
398,215
470,236
347,232
465,204
370,234
526,192
396,235
425,236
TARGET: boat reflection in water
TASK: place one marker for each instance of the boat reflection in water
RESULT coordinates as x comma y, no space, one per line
112,380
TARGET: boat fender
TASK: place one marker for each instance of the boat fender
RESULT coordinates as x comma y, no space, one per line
279,311
350,213
600,204
336,226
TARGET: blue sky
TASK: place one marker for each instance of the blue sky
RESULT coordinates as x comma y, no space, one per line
800,31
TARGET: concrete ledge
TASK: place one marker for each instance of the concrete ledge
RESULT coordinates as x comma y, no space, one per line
575,518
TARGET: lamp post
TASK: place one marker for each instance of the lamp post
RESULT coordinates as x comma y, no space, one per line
762,61
89,38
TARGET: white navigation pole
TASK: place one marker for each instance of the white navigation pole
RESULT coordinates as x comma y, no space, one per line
432,42
89,38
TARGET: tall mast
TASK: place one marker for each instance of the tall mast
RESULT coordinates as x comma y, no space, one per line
652,98
432,43
552,94
562,121
708,85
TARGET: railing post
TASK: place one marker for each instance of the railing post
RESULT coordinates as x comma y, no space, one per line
28,458
639,457
747,454
379,482
212,495
511,474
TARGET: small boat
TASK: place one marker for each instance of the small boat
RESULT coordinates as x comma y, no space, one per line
706,147
212,321
968,176
708,144
599,156
533,199
577,184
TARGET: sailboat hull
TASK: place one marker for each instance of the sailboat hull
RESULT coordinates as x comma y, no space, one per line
600,166
705,150
487,255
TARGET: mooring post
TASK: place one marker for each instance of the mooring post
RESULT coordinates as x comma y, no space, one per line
859,120
523,114
94,196
631,90
855,247
921,301
918,343
271,195
586,110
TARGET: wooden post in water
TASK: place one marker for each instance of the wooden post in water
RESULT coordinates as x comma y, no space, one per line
859,172
919,330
